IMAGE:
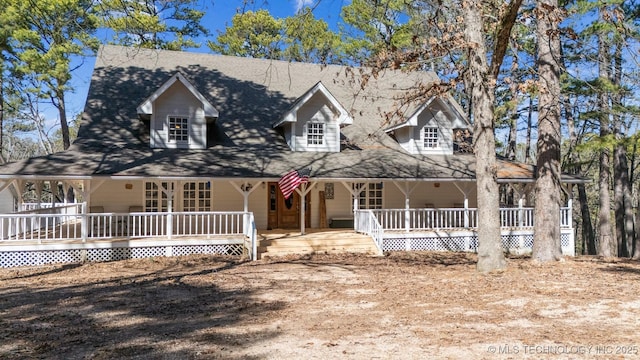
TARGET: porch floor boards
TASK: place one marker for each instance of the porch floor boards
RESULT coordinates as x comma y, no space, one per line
282,242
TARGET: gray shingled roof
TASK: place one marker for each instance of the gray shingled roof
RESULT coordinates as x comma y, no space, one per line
250,95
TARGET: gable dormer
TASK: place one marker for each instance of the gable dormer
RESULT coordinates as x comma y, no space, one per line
430,129
178,114
313,122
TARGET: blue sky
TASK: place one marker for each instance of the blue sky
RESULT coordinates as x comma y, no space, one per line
218,14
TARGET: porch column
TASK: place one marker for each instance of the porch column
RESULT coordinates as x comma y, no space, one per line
303,204
305,188
38,185
407,206
354,189
86,185
355,193
521,211
465,192
569,191
466,212
84,228
406,191
169,191
246,188
20,191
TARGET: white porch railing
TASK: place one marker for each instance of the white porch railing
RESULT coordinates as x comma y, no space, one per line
37,206
154,224
251,236
367,223
147,224
70,222
456,218
41,224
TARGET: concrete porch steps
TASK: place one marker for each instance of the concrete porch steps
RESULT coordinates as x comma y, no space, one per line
324,241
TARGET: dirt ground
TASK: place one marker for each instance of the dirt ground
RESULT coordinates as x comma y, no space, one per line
400,306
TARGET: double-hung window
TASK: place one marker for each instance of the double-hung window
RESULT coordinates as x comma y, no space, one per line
431,137
178,129
315,133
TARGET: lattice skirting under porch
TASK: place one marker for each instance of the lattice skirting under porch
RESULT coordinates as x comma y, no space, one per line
515,244
46,257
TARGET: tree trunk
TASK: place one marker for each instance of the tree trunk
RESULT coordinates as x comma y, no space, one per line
510,152
575,167
587,226
606,242
64,125
546,241
623,202
2,160
635,248
527,151
490,250
623,197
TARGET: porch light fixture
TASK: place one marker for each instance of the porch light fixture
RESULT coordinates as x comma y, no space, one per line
437,185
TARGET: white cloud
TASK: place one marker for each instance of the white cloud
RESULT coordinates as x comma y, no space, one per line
302,3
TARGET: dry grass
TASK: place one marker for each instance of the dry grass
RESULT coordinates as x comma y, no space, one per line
406,305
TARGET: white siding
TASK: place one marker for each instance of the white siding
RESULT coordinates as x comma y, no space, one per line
316,110
405,138
341,205
115,197
411,138
178,101
434,118
446,195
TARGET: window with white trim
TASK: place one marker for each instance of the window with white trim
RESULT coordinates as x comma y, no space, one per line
315,133
431,137
178,129
370,195
156,200
196,196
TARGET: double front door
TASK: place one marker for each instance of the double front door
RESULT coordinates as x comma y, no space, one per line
285,213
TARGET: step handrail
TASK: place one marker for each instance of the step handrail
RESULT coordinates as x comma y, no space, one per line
367,223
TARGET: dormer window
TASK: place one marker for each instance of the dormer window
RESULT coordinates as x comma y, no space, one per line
178,129
429,129
314,121
431,137
315,133
179,116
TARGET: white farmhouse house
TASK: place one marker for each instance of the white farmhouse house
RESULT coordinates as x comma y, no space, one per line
182,152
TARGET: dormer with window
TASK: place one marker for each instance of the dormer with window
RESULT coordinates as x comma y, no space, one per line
430,129
178,115
313,122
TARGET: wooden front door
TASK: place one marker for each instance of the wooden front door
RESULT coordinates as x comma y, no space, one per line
285,214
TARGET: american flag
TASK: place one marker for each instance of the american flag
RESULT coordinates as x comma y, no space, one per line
290,181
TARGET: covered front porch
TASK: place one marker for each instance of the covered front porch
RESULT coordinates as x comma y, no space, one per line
68,233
